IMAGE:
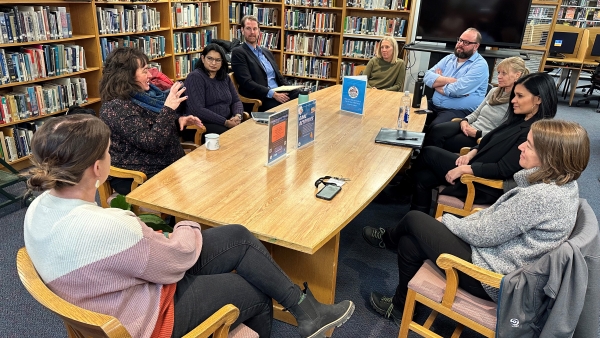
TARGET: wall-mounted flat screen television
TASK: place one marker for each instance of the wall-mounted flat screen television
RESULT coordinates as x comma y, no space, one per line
501,22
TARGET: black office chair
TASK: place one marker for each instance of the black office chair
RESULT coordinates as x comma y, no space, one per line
594,84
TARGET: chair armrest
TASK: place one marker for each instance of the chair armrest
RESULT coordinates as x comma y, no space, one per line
255,102
137,176
246,116
456,119
468,180
218,323
452,264
197,135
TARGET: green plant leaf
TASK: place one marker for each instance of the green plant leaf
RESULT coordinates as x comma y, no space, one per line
120,203
155,222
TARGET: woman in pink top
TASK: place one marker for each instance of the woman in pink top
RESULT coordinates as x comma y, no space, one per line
108,261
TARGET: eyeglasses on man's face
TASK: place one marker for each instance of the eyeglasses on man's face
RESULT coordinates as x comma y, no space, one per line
465,42
213,60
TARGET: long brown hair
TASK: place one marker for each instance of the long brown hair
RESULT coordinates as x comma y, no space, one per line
63,148
118,77
563,148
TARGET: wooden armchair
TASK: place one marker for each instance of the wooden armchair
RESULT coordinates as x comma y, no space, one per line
440,292
358,70
455,205
106,191
255,102
80,322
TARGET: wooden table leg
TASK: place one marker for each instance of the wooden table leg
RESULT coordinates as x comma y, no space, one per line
319,270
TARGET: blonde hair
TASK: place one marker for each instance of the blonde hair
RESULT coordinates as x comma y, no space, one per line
515,63
563,148
394,44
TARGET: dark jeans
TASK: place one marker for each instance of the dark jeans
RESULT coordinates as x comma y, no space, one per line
449,136
419,237
210,283
441,115
268,104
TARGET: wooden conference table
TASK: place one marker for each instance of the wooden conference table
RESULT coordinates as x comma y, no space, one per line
277,203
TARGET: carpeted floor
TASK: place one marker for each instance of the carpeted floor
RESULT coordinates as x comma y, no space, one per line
362,268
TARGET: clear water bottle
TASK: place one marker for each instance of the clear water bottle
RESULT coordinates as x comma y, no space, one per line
404,111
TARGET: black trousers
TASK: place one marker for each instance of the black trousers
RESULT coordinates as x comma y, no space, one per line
449,136
429,171
268,104
441,115
209,284
419,237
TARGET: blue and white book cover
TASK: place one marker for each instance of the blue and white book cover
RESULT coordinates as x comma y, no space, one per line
354,91
306,123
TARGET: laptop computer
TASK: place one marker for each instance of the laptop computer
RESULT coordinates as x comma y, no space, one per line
402,138
261,117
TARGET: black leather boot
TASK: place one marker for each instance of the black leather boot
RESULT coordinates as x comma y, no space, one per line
314,318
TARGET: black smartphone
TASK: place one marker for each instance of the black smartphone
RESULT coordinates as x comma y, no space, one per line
328,192
423,111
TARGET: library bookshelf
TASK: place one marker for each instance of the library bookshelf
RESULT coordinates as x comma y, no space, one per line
317,42
172,42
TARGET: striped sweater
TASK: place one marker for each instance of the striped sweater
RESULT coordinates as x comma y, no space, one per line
108,261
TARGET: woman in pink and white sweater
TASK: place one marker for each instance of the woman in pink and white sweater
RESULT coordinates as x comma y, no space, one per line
108,261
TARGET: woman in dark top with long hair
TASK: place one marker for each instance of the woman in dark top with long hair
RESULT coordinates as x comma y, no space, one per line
212,96
142,119
496,157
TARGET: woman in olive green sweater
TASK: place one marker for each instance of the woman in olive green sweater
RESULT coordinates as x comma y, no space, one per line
386,71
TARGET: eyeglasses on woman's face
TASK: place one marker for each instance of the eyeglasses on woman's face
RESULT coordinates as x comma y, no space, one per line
213,60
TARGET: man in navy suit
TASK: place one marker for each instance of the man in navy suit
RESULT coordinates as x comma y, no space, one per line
256,71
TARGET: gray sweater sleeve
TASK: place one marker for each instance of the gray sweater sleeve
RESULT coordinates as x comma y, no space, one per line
487,117
515,212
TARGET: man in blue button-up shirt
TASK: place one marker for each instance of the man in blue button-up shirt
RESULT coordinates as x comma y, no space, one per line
255,69
459,80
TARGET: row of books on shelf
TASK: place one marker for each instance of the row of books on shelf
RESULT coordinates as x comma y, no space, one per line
184,64
311,85
347,68
579,3
266,39
153,46
314,3
40,61
34,23
378,4
360,48
193,41
308,44
190,15
307,66
541,12
36,100
265,16
310,20
375,26
127,19
575,13
15,141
